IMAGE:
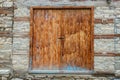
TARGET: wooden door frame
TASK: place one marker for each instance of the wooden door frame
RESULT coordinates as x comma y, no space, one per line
60,7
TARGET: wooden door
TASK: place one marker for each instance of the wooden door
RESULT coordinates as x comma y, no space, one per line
62,38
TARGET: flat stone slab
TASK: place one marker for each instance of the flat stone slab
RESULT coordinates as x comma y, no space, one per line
17,79
117,73
5,71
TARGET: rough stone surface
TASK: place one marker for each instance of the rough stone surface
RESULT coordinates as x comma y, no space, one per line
20,62
104,29
104,45
104,13
65,78
117,65
21,12
5,71
21,44
6,3
5,42
5,49
104,64
117,72
117,59
21,26
16,79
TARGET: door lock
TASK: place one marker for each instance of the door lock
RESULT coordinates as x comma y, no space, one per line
61,37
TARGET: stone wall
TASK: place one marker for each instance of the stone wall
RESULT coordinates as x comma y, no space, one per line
6,25
15,27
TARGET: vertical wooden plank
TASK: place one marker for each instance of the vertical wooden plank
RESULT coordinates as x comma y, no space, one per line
31,38
92,37
71,34
46,45
34,40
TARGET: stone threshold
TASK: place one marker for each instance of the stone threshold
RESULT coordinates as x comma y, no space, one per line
80,73
61,71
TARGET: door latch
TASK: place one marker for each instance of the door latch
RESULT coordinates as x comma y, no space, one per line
61,37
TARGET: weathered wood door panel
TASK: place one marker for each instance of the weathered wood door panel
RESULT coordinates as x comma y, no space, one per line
46,45
77,39
62,38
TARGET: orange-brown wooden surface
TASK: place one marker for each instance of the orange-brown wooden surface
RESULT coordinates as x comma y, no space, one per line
62,39
76,27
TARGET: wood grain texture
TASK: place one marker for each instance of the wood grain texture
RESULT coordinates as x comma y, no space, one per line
46,46
101,21
21,19
106,36
62,38
92,38
61,7
76,45
96,21
6,10
107,54
31,38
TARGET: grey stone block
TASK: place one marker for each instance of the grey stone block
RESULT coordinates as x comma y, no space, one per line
21,12
117,73
7,4
104,45
117,65
16,79
104,29
20,62
104,12
21,26
20,44
5,71
4,40
104,64
117,58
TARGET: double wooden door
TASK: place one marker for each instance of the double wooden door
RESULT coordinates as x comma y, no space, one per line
62,38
